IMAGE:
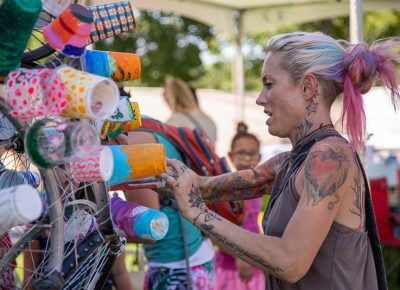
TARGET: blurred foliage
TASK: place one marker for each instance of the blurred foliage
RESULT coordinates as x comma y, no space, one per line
391,257
171,45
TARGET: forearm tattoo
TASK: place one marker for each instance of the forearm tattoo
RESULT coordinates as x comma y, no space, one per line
238,251
234,186
325,171
245,184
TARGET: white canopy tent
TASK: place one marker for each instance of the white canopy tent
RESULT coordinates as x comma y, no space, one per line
238,18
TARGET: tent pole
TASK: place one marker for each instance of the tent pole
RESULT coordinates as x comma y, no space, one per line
356,21
238,69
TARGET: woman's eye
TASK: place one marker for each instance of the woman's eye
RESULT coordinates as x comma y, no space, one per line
268,85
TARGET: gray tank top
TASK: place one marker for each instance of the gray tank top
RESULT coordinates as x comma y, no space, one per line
345,260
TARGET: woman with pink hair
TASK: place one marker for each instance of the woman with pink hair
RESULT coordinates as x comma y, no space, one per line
319,227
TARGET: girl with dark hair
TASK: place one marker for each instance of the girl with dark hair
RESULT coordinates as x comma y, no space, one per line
232,272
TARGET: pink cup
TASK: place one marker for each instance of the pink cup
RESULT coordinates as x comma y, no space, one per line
96,167
35,93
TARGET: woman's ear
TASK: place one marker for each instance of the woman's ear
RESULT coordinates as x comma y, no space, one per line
309,87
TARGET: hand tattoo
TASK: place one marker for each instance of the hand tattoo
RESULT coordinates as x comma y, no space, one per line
195,198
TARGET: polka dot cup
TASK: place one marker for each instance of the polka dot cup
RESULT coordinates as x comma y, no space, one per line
34,93
88,96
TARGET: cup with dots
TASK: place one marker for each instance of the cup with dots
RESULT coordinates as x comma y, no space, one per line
34,93
88,96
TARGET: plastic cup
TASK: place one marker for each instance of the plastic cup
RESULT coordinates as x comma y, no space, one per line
89,96
19,205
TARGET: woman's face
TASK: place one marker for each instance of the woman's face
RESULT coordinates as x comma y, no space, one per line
281,99
245,153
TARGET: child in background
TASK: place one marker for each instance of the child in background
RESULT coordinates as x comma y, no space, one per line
231,272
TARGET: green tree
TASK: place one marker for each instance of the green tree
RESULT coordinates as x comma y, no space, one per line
169,45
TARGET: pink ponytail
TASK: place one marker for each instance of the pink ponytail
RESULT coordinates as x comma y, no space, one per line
362,67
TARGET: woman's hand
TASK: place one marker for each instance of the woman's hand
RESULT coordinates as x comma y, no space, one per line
184,184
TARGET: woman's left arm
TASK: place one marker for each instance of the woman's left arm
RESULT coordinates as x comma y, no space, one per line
322,182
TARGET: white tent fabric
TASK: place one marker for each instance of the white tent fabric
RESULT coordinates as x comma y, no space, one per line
251,16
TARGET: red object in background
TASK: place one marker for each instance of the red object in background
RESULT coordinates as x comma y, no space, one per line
384,218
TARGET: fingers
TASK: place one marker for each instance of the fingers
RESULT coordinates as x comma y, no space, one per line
122,139
177,166
170,181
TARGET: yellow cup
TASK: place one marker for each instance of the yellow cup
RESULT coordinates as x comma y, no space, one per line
89,96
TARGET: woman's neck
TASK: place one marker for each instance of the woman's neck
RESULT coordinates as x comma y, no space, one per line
307,127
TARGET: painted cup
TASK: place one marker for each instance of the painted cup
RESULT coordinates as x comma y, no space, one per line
124,119
111,19
96,167
70,31
137,161
55,7
35,93
88,96
119,66
51,143
17,19
139,221
19,205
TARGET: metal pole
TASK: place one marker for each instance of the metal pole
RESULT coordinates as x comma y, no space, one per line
239,79
356,21
238,68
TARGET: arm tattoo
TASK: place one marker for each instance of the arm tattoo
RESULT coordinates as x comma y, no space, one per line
237,250
357,197
208,216
244,184
324,173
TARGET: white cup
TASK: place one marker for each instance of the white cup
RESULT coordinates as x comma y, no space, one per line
19,205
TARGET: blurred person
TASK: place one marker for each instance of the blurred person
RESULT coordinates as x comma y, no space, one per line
185,109
230,271
183,247
320,228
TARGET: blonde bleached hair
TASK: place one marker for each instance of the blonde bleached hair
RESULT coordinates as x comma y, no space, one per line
340,68
179,96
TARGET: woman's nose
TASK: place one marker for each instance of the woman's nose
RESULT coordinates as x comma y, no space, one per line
261,99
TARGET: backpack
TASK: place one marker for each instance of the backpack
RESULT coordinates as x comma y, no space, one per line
199,154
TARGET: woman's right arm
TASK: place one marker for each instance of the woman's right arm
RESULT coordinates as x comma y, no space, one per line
244,184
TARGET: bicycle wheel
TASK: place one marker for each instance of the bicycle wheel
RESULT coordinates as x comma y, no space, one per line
19,246
88,260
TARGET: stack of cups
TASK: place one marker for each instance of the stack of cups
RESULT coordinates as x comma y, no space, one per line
19,205
138,221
